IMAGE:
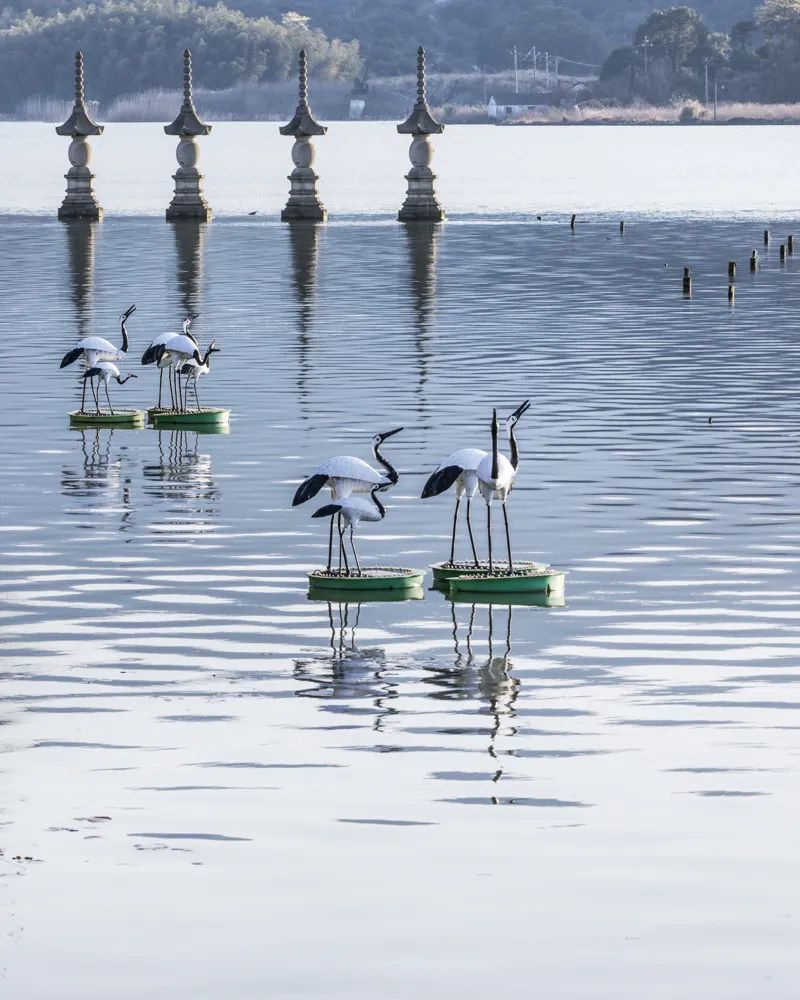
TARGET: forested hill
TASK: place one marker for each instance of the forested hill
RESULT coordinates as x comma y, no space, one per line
458,35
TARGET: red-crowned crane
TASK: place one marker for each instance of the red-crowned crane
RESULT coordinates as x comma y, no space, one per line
104,371
345,475
461,469
193,370
496,475
350,511
94,349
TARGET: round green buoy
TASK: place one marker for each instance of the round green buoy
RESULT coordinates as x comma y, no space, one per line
207,417
119,418
372,578
546,580
535,599
343,595
446,570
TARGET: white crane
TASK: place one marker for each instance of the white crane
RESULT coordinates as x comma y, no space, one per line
192,370
496,475
157,354
351,510
461,469
181,347
94,349
345,475
104,371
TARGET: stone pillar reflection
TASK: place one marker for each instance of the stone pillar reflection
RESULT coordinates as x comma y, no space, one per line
80,201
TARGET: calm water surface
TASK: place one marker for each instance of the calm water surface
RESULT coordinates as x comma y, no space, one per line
215,787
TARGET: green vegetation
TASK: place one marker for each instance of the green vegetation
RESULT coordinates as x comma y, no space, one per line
674,52
134,45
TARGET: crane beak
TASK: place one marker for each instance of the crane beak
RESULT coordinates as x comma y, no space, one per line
523,408
128,313
388,434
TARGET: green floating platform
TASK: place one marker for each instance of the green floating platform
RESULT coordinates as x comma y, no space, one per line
383,578
444,571
521,598
212,418
345,595
547,581
119,418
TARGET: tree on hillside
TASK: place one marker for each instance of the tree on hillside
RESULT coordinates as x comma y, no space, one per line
673,33
135,45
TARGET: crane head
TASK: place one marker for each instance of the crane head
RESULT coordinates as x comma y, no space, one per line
381,437
515,416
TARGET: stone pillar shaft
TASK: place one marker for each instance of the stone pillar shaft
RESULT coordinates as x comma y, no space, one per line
188,201
422,203
304,203
80,201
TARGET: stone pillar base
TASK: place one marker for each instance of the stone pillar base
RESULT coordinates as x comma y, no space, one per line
304,203
80,201
188,201
421,204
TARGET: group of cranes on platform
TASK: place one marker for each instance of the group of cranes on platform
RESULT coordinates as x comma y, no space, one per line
179,353
468,470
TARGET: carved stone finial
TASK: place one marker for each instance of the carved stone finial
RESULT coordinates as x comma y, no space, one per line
421,204
303,122
420,121
188,121
79,122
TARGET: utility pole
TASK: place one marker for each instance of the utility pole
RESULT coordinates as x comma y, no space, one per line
547,69
705,66
516,71
715,98
534,63
646,45
556,60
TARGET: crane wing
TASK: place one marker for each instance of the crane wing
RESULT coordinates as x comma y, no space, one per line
441,480
70,357
328,510
308,489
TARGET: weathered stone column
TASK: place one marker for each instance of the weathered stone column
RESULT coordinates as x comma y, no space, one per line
188,201
80,201
304,202
421,204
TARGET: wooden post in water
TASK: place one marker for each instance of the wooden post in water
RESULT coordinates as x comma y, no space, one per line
731,293
731,270
766,237
622,227
790,244
80,201
783,253
572,222
687,281
754,261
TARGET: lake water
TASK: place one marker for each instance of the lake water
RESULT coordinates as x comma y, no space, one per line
215,787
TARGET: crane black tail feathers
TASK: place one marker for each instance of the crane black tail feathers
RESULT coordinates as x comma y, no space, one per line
187,369
149,356
91,372
441,480
328,510
309,489
70,357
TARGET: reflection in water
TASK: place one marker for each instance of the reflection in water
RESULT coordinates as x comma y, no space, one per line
182,472
101,482
349,673
190,240
423,239
81,234
304,247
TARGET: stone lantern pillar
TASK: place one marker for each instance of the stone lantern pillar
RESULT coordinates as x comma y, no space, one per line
188,201
421,204
304,202
80,201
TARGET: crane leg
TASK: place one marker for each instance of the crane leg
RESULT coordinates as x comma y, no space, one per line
171,388
196,397
330,544
110,407
355,554
453,539
83,396
96,396
342,547
508,540
339,532
489,530
469,529
160,383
